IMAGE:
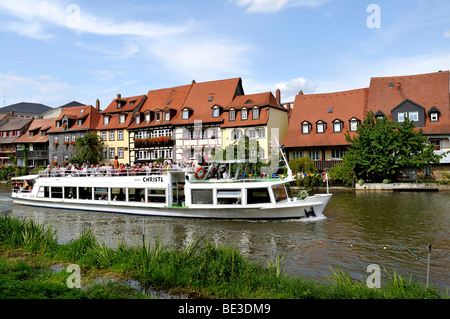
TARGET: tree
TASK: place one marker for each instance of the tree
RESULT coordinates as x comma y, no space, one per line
88,149
381,147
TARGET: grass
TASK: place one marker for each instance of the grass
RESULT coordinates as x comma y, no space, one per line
29,252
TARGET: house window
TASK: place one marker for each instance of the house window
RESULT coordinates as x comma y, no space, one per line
119,104
158,116
66,138
413,116
353,125
120,135
112,152
120,152
185,114
122,118
337,126
232,115
255,113
210,98
74,137
251,133
337,153
314,155
105,120
112,135
138,119
320,127
261,133
80,122
296,154
147,117
167,116
103,135
244,114
215,112
306,127
401,116
436,143
434,117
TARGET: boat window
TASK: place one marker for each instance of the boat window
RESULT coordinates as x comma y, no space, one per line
44,191
156,195
100,193
279,192
229,196
85,192
118,194
136,195
70,192
57,192
258,196
202,196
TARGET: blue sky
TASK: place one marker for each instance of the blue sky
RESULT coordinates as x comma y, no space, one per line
56,51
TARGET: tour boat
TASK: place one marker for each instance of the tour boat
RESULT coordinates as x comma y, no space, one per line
205,193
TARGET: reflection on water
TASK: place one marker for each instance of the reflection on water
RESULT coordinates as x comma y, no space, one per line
359,229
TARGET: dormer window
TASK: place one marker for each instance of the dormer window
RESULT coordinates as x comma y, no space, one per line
80,122
306,127
122,118
147,117
119,104
58,123
158,116
337,126
138,119
255,113
131,103
244,114
215,111
105,120
320,127
434,114
166,116
232,115
185,114
354,122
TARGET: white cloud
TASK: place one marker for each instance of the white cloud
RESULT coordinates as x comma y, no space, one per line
290,89
276,5
43,14
41,89
202,58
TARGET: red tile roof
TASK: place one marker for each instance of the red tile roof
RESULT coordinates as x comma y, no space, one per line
127,106
428,90
89,113
314,107
37,126
204,96
263,101
162,99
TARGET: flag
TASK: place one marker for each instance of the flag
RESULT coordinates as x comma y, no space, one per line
276,141
326,177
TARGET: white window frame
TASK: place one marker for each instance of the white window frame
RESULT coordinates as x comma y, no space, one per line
105,119
255,113
120,135
112,135
185,114
244,114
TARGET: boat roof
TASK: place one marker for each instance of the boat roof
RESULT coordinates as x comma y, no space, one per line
26,177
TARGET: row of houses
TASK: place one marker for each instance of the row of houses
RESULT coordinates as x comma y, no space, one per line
189,123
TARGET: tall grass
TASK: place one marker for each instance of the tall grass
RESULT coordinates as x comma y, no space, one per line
207,270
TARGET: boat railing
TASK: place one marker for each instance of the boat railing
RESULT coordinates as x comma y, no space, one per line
107,172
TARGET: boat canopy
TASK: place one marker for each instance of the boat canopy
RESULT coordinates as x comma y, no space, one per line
26,177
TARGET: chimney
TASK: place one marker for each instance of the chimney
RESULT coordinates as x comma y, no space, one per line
300,92
193,81
278,93
12,113
97,104
119,96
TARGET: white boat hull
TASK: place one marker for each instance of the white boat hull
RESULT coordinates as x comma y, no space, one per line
281,210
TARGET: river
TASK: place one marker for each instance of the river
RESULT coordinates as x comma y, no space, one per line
390,229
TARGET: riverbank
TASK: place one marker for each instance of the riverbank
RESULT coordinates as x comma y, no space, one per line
34,265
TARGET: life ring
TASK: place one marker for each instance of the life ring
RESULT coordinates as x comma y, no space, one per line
199,175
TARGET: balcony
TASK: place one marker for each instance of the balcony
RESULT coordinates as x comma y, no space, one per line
163,141
38,154
326,165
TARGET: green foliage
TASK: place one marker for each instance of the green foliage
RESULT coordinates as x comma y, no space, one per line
341,173
381,147
88,149
303,165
